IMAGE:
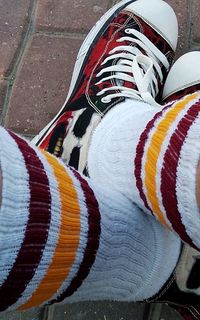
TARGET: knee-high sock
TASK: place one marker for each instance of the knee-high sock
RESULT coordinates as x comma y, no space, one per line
62,237
151,156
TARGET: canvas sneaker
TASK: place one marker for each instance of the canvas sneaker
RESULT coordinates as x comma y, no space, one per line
127,54
183,78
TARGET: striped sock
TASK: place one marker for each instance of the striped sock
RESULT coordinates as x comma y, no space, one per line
63,237
152,156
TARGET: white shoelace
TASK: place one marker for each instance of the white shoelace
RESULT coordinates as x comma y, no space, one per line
130,60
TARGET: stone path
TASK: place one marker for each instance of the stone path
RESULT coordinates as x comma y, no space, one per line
39,40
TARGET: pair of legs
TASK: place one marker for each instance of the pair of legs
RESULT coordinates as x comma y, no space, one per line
79,238
65,236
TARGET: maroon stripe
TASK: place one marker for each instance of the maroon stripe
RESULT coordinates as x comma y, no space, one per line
94,220
36,233
139,155
169,172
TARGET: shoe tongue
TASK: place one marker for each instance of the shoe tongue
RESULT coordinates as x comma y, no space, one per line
117,82
123,83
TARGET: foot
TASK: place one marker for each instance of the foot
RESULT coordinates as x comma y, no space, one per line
127,54
183,78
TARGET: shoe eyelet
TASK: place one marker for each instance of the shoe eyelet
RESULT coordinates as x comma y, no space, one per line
127,31
104,100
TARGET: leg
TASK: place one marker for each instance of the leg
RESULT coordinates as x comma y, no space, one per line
64,237
152,157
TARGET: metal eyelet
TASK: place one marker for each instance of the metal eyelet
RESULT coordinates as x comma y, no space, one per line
104,100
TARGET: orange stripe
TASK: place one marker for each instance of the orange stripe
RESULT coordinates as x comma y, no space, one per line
65,251
153,153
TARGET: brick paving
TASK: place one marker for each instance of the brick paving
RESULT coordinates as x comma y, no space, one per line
39,42
70,16
42,82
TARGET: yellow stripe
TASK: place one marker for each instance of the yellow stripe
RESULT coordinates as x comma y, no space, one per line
65,251
153,153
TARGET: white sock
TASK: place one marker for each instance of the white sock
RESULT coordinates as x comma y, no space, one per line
151,157
65,238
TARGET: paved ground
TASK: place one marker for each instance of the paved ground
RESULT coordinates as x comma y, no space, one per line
39,42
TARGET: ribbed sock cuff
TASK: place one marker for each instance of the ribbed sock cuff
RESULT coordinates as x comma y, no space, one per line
64,238
49,226
166,163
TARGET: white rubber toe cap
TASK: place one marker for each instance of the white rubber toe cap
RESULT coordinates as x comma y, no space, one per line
160,16
184,73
